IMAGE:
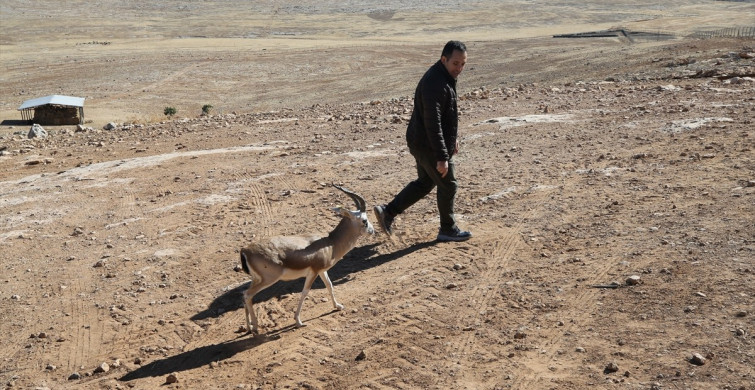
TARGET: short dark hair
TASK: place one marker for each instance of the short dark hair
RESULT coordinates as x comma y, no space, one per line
448,50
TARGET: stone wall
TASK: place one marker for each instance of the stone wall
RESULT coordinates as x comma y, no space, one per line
56,115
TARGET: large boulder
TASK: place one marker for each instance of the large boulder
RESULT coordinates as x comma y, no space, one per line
37,131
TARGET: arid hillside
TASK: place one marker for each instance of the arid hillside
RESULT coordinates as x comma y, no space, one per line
609,184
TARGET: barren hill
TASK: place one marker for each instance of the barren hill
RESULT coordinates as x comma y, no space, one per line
609,186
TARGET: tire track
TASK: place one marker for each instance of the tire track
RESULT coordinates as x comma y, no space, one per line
19,352
405,305
293,200
535,369
263,213
584,302
496,253
85,326
126,211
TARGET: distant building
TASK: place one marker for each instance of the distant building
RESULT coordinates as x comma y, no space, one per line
54,110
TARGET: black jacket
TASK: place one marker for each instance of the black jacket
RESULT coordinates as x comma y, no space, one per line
434,124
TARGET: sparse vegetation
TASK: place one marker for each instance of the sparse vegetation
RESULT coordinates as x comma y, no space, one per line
169,111
206,109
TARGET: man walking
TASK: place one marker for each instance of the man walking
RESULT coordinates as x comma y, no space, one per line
432,139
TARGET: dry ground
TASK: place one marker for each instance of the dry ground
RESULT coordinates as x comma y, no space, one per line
583,162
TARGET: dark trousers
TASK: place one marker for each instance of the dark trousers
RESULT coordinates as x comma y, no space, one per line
428,178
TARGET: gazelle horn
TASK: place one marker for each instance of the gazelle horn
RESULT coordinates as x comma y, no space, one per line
358,200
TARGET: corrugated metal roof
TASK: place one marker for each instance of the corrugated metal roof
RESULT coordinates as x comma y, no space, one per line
53,99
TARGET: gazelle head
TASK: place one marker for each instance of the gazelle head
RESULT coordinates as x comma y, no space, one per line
360,214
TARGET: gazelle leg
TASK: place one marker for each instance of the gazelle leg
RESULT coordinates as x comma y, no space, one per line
307,286
326,279
252,325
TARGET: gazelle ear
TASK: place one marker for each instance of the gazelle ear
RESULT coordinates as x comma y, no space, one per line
340,211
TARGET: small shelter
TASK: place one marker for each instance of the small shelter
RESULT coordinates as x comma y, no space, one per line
54,110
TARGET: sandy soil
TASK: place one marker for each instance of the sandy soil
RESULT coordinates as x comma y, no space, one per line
584,162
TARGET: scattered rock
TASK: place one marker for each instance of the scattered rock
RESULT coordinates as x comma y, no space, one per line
170,379
611,368
736,80
74,376
37,131
667,88
103,367
697,359
633,280
361,356
241,329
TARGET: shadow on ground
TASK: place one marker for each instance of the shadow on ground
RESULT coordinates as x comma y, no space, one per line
359,259
197,357
14,122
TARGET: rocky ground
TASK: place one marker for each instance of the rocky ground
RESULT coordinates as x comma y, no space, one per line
611,202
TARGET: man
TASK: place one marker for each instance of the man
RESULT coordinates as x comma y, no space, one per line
432,140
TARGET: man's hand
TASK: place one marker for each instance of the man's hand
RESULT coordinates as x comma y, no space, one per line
442,167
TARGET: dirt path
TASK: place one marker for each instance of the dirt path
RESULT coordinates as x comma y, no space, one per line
583,162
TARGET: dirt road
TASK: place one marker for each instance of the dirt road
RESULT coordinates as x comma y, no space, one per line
583,163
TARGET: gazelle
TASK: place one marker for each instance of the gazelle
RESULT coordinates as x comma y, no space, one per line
293,257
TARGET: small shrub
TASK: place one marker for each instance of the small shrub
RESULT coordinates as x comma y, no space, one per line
206,109
169,111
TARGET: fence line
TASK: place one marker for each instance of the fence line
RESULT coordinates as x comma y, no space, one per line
730,32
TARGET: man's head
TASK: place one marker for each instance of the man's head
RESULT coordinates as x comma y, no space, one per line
454,57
